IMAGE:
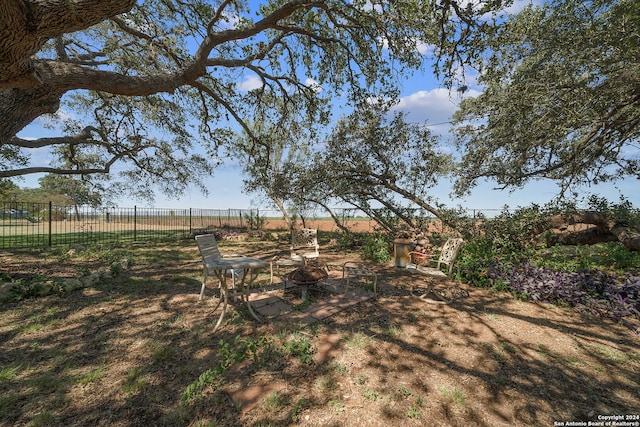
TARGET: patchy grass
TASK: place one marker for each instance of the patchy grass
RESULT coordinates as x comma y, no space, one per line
138,349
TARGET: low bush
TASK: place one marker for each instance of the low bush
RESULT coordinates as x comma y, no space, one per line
376,248
591,291
601,280
594,292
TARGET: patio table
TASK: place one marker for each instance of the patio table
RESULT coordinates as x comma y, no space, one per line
220,266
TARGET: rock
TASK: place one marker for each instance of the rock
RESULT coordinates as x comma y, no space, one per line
6,288
45,288
72,284
92,279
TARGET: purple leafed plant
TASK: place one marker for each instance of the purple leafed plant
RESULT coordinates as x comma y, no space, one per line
220,234
594,292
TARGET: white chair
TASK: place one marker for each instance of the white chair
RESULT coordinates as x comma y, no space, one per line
304,247
447,257
209,250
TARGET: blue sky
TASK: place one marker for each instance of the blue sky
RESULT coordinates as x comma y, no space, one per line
423,99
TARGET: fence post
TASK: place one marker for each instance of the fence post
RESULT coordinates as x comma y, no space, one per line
50,220
135,223
190,225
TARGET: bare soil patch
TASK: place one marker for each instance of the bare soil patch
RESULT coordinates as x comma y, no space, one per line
128,352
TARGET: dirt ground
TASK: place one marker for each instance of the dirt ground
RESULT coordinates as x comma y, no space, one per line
127,351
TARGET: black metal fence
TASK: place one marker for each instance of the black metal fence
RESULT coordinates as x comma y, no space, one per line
24,225
27,225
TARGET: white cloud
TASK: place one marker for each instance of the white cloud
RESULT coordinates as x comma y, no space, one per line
516,7
249,83
55,120
424,48
313,84
434,106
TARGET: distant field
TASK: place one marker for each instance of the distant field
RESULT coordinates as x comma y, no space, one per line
323,224
25,233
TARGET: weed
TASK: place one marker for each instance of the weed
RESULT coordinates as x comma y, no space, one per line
42,419
456,395
358,340
274,401
193,390
297,408
394,331
339,367
10,372
301,348
48,382
576,361
361,379
508,348
500,379
34,325
413,412
376,248
500,286
405,392
135,381
615,357
336,406
178,321
371,395
544,350
242,347
499,355
204,423
93,375
304,304
492,316
8,404
163,354
326,383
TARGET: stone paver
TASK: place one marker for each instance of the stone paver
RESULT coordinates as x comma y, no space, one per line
269,305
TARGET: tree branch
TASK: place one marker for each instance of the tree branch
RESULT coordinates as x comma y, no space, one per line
28,24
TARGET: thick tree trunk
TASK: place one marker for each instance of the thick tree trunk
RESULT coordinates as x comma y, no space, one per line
597,228
628,237
26,25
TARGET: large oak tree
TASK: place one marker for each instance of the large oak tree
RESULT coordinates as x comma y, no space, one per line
144,84
376,162
561,97
561,101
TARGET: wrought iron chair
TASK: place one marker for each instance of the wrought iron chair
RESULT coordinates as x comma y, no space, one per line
419,263
352,269
304,247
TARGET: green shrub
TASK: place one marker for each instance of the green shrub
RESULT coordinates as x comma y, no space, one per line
376,248
300,347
